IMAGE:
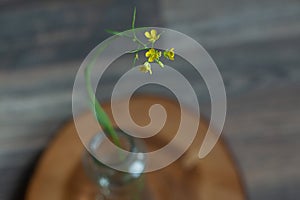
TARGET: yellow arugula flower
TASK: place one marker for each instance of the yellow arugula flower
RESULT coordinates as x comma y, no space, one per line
153,55
146,67
169,54
152,36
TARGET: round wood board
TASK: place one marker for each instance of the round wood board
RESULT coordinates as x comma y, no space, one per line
59,174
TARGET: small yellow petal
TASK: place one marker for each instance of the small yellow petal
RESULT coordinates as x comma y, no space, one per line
147,34
153,33
147,54
150,59
152,51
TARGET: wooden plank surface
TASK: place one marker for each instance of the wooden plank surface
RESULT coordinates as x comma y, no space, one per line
255,44
59,173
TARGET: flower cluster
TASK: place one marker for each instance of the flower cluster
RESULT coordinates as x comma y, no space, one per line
152,54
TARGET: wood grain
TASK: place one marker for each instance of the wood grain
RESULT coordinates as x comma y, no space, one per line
59,174
255,44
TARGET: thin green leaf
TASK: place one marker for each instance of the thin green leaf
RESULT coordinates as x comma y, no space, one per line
117,33
98,111
113,32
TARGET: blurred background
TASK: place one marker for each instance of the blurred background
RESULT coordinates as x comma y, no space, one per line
255,44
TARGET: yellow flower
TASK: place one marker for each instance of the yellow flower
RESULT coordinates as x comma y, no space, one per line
146,67
152,36
169,54
153,55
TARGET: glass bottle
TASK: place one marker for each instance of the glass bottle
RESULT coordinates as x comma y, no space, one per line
114,184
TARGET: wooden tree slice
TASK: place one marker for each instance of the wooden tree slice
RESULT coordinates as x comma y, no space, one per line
59,174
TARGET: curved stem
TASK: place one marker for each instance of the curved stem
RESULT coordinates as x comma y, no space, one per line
98,111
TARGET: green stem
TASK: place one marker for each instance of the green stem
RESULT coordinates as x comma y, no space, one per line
98,111
135,39
138,50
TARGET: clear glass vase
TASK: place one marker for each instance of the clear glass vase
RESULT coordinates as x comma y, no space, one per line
114,184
